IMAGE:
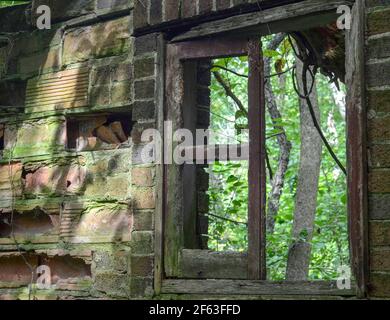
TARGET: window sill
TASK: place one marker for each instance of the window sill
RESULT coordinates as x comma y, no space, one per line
251,287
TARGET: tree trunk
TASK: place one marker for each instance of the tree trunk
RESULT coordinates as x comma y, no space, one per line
306,198
277,182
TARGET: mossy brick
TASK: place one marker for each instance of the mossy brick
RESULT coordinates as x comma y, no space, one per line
101,76
144,67
104,222
378,73
143,220
142,242
41,62
379,206
145,44
141,265
111,260
380,259
155,12
379,100
143,176
144,110
99,95
172,10
188,8
54,180
141,287
379,181
110,38
36,137
379,47
122,72
121,92
107,163
143,197
141,14
10,175
380,156
110,188
379,233
379,129
378,21
144,89
115,285
379,284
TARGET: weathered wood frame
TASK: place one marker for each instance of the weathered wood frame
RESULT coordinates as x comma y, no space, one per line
176,55
357,193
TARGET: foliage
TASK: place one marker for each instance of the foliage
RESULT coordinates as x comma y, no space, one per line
229,185
7,3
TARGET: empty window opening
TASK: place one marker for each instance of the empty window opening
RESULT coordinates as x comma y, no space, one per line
304,151
99,132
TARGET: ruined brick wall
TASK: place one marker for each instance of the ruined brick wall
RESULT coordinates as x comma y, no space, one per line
378,108
85,207
70,98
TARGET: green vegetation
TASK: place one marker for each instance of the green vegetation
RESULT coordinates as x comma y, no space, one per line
228,181
5,3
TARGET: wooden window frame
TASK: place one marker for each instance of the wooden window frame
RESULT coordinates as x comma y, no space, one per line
171,57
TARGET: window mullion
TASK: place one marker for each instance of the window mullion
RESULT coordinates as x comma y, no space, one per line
257,164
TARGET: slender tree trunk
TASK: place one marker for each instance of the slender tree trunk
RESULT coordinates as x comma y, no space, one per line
306,198
277,182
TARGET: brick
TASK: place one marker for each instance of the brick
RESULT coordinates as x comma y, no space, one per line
223,4
379,181
144,110
142,243
379,206
104,223
117,261
41,62
143,220
84,43
380,156
379,48
379,285
144,89
143,198
379,100
378,21
155,12
379,233
99,95
188,8
113,284
141,266
376,3
122,72
141,14
171,9
101,76
121,92
144,68
141,287
205,7
379,129
143,177
378,74
146,44
380,260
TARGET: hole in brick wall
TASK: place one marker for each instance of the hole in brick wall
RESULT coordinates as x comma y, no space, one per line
66,267
14,269
29,223
99,132
12,103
